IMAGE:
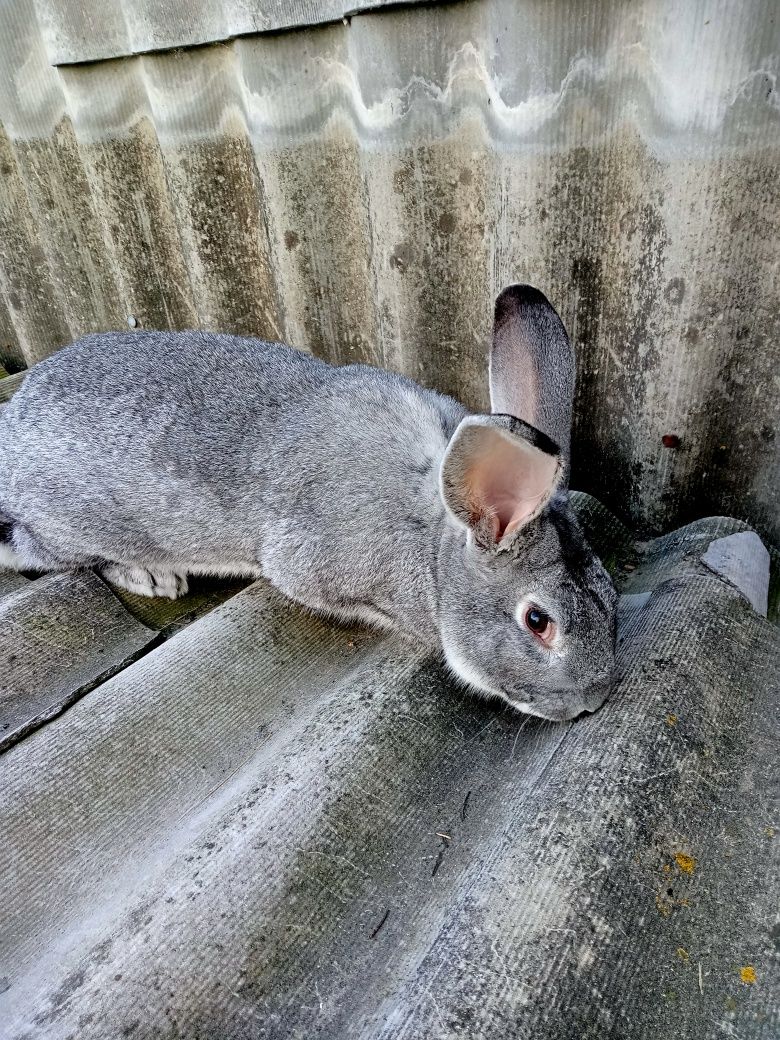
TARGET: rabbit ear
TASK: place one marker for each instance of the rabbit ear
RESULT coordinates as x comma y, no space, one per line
532,364
497,474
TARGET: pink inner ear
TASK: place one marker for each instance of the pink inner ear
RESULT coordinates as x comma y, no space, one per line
507,512
511,482
511,512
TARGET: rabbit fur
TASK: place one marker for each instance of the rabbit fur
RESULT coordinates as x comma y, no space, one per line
152,456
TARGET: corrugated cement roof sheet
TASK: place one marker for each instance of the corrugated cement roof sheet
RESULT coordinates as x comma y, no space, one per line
263,825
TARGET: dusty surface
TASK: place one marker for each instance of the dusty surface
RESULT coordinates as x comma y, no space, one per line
59,636
270,826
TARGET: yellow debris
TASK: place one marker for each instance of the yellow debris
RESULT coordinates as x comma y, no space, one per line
671,720
682,953
686,863
748,974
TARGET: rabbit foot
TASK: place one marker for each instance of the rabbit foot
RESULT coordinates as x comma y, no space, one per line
144,582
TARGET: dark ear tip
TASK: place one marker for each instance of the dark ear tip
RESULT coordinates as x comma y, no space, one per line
527,432
517,297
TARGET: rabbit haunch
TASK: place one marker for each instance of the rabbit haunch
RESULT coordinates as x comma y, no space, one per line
153,456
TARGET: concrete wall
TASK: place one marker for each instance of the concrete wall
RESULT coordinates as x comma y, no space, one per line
363,188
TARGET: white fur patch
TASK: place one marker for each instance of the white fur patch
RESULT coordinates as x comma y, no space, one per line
471,676
363,612
143,581
466,671
9,559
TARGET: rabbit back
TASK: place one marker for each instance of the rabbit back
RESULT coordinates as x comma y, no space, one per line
201,451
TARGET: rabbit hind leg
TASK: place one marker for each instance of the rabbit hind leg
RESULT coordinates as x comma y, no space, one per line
146,581
20,549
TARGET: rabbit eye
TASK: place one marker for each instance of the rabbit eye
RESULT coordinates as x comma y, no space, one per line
539,623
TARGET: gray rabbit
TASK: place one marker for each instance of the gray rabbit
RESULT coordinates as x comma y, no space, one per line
152,455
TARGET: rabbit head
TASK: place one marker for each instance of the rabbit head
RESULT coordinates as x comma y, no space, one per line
527,612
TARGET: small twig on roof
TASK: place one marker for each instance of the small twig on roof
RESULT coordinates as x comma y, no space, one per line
438,861
381,924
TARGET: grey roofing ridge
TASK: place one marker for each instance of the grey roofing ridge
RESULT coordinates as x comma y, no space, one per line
272,826
60,636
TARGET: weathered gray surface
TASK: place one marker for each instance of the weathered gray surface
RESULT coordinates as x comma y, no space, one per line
87,32
241,835
742,559
168,616
10,582
59,636
363,189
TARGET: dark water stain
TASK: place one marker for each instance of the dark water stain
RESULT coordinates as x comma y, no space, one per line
592,194
69,225
402,257
674,292
39,326
735,466
325,193
131,192
443,334
220,207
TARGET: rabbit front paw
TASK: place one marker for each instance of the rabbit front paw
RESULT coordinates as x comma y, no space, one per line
145,582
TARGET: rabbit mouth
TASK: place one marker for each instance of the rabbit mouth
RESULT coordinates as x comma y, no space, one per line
513,701
560,712
548,714
555,712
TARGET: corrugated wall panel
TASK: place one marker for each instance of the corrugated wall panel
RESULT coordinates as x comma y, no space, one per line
85,31
364,189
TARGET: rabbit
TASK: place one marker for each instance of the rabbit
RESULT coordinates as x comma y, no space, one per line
152,456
